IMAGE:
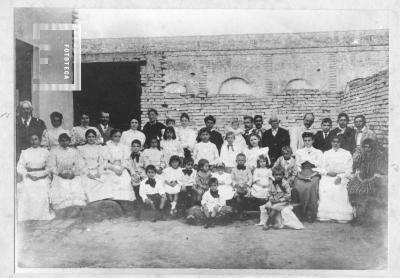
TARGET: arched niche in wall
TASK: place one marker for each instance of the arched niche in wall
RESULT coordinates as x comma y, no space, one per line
175,88
299,83
235,86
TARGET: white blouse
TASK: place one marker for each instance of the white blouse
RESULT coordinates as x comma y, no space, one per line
253,154
339,161
170,148
146,189
171,174
117,154
153,157
92,156
68,159
78,135
33,158
206,151
311,155
50,136
187,137
223,179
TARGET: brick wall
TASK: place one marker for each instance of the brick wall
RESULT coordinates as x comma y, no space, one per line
370,97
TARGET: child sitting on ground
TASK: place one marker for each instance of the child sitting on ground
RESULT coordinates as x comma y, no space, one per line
202,178
279,198
288,162
173,181
225,188
152,192
241,180
212,203
188,182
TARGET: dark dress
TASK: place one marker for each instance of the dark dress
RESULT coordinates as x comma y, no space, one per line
23,133
306,185
275,143
151,131
347,139
323,144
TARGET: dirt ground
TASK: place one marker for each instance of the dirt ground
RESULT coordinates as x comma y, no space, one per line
126,242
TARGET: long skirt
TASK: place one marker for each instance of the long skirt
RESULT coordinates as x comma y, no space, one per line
33,200
334,201
308,195
121,188
96,189
67,193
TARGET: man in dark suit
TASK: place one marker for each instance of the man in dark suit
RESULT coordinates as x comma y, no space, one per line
104,126
345,133
248,128
275,138
26,125
258,122
215,136
322,139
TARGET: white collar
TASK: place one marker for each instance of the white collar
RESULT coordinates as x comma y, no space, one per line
27,121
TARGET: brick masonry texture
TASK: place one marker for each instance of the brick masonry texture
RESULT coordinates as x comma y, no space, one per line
232,76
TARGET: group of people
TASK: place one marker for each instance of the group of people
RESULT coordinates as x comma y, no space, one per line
286,175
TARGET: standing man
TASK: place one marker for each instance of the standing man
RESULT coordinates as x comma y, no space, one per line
275,138
323,138
258,122
248,128
104,127
26,125
215,136
345,133
361,133
296,139
153,128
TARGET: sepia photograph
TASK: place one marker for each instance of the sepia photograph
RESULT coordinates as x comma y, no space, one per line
201,139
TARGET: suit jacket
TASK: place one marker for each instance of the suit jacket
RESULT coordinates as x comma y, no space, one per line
105,134
275,143
348,141
323,144
366,133
23,133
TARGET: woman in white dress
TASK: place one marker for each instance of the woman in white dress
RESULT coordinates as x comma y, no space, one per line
50,135
333,197
133,134
117,157
78,132
186,135
66,188
93,169
33,190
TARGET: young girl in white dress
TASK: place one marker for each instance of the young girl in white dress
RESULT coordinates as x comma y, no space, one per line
229,151
154,156
67,194
173,181
225,187
117,177
186,135
170,145
254,151
33,190
93,169
261,176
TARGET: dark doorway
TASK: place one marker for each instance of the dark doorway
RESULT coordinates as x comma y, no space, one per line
113,87
23,70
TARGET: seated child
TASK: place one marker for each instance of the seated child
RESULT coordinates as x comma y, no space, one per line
173,181
229,151
225,188
205,149
212,203
202,178
241,180
154,156
279,198
259,188
152,192
136,167
188,182
288,162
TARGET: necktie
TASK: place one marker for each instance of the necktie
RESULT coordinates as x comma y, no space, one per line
241,167
214,194
325,135
26,123
187,172
231,147
135,156
152,182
